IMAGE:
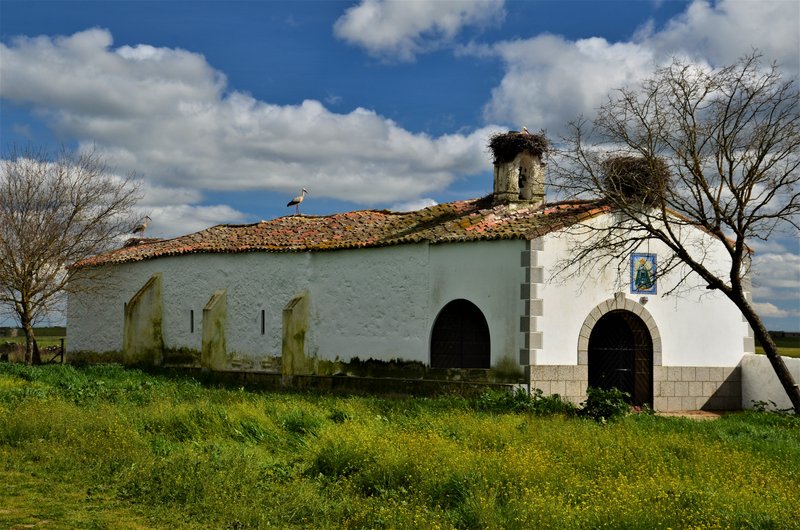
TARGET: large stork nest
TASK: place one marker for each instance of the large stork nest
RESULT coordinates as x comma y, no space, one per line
506,146
635,179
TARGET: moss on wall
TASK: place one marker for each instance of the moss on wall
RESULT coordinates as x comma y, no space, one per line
83,357
503,372
295,326
507,369
215,314
270,364
182,356
143,341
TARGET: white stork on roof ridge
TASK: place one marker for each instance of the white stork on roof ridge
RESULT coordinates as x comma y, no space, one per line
297,200
141,227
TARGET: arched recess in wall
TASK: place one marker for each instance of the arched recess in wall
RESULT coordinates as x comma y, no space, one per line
621,344
460,337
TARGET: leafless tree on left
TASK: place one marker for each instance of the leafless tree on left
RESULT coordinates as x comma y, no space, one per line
55,209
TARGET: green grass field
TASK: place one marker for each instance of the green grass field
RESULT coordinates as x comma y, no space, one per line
787,346
103,447
45,337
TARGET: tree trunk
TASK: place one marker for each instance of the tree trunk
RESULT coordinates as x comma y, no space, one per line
771,349
32,355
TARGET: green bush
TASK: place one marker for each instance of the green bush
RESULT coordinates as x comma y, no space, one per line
605,405
520,401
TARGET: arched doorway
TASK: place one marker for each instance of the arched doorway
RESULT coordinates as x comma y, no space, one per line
621,356
460,337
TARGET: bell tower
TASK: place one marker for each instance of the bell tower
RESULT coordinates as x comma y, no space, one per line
518,167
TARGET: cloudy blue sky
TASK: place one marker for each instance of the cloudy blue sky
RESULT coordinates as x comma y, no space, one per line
225,109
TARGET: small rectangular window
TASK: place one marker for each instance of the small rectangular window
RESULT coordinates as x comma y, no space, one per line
263,322
191,321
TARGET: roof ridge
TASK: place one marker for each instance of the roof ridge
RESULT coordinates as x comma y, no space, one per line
456,221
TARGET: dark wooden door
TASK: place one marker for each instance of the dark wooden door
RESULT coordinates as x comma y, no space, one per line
621,356
460,337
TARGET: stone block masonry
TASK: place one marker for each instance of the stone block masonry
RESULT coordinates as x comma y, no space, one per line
530,294
697,388
568,381
674,387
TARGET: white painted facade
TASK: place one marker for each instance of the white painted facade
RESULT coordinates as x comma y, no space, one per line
381,303
697,326
375,303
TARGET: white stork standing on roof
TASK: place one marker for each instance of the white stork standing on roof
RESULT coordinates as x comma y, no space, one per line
297,200
141,227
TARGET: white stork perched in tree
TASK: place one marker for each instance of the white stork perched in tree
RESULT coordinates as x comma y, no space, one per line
297,200
141,227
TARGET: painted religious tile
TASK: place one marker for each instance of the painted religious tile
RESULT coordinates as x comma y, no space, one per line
643,274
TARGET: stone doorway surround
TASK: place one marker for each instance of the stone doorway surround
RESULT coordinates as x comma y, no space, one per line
619,302
570,381
675,388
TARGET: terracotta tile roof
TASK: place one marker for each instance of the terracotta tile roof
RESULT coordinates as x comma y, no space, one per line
471,220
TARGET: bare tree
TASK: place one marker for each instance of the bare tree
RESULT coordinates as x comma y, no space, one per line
691,147
54,211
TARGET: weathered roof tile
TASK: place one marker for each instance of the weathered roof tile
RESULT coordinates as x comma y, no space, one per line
460,221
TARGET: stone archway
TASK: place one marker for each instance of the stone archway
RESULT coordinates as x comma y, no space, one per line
627,325
460,337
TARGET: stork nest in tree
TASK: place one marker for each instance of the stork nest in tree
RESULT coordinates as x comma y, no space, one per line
635,179
506,146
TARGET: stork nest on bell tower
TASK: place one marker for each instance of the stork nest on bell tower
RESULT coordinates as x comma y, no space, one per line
635,179
506,146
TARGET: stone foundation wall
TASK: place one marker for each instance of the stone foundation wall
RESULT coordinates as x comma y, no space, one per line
674,387
697,387
568,381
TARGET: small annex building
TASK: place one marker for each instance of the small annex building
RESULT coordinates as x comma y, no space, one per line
462,291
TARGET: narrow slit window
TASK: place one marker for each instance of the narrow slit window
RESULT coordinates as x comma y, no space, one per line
263,322
191,321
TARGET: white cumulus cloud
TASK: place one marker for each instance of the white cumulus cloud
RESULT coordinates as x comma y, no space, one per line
776,276
721,32
768,310
177,219
400,29
550,80
168,115
411,206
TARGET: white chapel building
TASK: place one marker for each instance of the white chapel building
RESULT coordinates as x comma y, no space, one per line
463,291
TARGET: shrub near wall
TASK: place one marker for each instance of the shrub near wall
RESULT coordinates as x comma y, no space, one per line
105,447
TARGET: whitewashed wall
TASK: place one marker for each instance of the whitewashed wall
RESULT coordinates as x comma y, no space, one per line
698,327
760,384
489,274
379,303
95,319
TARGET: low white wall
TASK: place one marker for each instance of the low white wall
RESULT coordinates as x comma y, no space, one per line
759,382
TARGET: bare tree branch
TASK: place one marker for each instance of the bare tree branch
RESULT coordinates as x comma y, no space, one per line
730,140
54,212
